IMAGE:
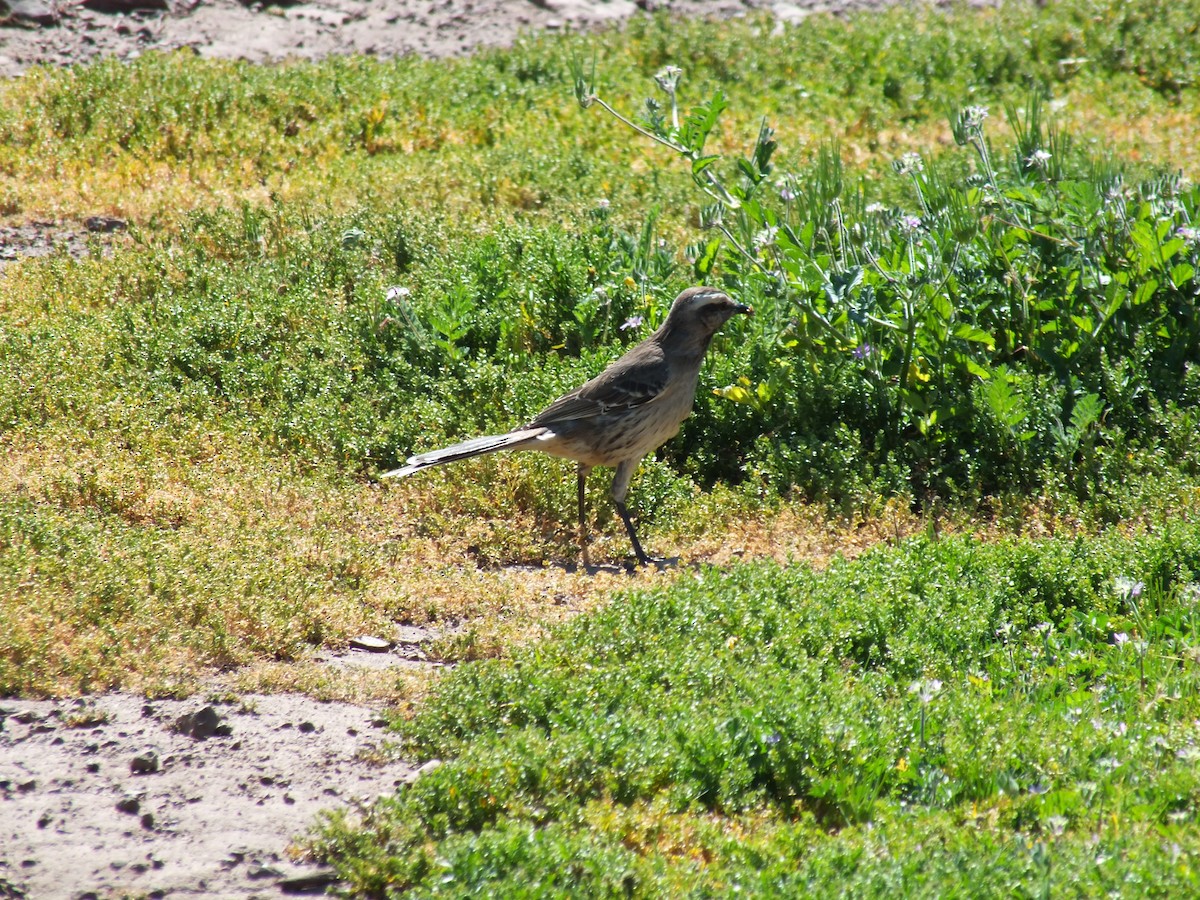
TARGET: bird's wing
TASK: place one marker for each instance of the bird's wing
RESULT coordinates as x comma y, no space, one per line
632,381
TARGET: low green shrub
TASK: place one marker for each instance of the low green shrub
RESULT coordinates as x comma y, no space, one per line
1040,691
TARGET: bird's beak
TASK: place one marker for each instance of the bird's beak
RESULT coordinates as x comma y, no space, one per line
743,308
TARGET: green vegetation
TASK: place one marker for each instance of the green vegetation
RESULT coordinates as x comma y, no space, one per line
942,718
1012,299
966,328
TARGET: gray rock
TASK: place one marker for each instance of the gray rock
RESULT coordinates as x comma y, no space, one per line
125,6
145,763
370,644
27,12
309,883
104,224
203,723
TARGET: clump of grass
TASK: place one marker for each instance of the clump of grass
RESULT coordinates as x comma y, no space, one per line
763,726
250,569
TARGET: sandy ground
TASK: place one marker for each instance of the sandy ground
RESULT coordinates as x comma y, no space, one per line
110,797
84,29
120,796
114,796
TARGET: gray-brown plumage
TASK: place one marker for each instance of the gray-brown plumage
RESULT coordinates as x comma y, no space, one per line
623,413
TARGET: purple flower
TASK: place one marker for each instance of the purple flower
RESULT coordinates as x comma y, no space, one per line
631,323
862,351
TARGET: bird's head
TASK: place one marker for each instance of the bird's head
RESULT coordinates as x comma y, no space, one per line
703,310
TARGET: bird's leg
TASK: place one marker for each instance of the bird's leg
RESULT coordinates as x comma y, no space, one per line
620,487
583,529
633,538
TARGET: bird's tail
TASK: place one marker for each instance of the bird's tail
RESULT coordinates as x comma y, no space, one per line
475,447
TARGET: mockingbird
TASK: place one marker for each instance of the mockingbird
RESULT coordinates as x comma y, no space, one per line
623,413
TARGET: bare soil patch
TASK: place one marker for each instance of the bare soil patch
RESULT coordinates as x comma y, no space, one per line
62,32
121,796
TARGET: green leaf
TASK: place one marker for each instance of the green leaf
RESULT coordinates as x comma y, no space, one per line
1145,291
706,260
700,122
1182,273
970,332
1171,249
1086,412
1005,405
764,148
747,169
699,165
1085,323
977,370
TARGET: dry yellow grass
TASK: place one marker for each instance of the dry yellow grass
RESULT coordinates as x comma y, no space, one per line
317,560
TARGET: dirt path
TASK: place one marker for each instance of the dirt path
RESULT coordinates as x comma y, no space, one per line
58,32
113,797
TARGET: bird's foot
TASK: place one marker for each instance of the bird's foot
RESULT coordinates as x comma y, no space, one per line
659,563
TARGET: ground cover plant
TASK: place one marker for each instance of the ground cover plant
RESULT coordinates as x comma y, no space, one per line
979,328
942,718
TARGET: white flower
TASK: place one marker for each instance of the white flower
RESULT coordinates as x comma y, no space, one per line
925,690
668,78
1128,588
909,164
1038,159
973,116
766,236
